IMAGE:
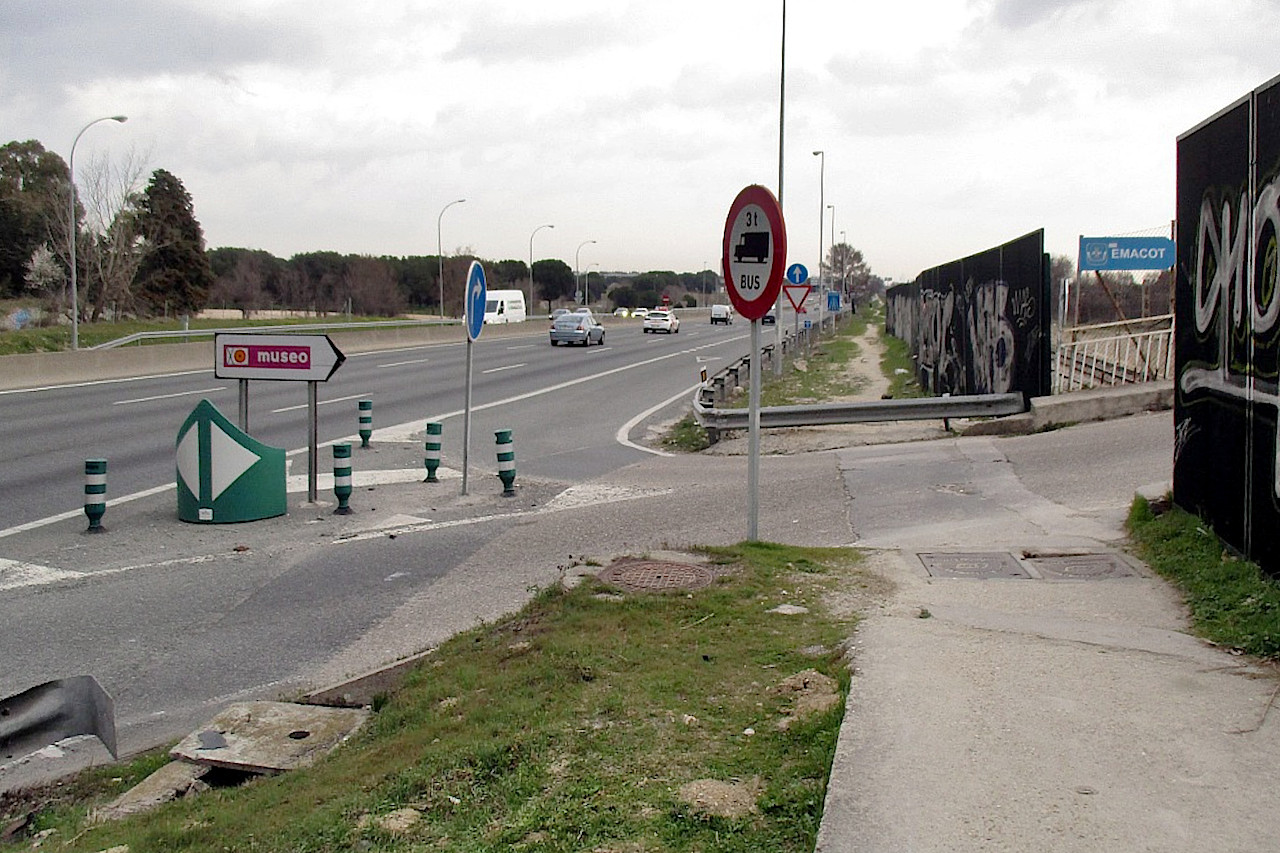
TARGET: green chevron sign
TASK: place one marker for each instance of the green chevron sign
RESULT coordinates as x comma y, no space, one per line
224,474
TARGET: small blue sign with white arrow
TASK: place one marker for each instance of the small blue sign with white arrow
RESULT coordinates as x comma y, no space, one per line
797,274
476,293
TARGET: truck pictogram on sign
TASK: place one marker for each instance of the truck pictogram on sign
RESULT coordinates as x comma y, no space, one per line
753,245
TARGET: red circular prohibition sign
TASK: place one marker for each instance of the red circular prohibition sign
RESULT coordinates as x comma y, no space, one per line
755,251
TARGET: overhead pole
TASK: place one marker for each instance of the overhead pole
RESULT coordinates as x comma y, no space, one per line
782,113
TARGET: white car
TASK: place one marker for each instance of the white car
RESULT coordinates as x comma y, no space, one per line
640,312
661,321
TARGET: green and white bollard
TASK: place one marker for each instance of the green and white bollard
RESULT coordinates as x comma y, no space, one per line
95,493
506,461
431,456
342,478
366,421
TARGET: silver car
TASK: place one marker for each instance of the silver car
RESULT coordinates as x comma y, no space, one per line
577,329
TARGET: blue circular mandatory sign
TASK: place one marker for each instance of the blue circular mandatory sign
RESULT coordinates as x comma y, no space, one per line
476,292
797,274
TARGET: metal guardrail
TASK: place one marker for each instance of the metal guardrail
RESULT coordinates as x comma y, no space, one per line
870,411
301,328
1087,361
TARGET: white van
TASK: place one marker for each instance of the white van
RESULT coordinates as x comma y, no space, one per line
504,306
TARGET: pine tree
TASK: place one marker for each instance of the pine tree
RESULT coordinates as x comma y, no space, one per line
175,273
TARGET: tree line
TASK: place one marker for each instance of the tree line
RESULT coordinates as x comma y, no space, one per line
140,251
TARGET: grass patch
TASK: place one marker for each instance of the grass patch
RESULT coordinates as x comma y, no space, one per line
1232,602
687,436
899,368
57,338
572,725
817,377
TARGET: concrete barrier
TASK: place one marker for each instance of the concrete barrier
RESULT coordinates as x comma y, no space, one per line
33,370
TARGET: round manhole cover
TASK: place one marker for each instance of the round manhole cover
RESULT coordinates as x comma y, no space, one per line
652,575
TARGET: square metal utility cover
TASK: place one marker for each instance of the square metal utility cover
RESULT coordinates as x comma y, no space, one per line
1082,567
979,566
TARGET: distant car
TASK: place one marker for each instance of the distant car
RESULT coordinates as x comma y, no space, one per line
639,312
576,328
661,321
768,319
621,312
559,312
721,314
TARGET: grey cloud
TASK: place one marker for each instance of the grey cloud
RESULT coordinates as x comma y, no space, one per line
494,42
1023,14
49,45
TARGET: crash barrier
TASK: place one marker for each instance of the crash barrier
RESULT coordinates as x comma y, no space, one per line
365,408
981,324
431,452
53,711
95,493
1227,307
506,461
1114,354
821,414
342,478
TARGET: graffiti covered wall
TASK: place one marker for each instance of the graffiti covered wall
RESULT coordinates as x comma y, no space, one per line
979,325
1227,305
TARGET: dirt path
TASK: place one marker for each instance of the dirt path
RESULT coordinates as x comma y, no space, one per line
871,384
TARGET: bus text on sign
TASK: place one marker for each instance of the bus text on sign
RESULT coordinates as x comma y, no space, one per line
755,249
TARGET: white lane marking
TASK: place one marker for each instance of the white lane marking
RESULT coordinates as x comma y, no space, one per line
624,431
168,396
397,432
63,516
319,403
571,498
15,574
508,367
104,382
403,363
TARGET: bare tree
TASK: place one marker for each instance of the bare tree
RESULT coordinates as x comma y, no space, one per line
110,241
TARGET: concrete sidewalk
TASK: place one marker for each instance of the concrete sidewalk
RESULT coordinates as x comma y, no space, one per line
1007,698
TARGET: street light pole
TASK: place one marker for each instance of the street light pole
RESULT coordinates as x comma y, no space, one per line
73,231
822,210
440,249
535,231
576,258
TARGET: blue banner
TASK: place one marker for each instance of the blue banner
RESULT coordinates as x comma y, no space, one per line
1126,253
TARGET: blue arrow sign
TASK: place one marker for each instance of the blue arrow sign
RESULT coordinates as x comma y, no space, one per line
476,292
797,274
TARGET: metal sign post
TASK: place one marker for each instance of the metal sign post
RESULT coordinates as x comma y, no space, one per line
754,251
474,308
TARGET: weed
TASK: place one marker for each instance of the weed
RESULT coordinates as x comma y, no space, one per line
1232,602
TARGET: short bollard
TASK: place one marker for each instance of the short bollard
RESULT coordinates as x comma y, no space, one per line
506,461
431,456
95,493
366,421
342,478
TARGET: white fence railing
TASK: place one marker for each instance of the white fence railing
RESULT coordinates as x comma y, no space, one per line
1114,354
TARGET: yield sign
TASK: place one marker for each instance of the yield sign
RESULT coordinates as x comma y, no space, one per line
797,294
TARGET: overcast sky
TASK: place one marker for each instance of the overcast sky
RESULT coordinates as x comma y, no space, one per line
948,126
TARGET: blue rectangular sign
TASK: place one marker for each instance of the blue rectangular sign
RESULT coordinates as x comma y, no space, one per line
1126,253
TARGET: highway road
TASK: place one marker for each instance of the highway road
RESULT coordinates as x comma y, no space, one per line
565,405
176,619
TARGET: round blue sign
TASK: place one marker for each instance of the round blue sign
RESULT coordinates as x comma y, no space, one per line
476,291
797,274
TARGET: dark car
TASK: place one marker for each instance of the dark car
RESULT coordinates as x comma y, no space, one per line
576,328
768,319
